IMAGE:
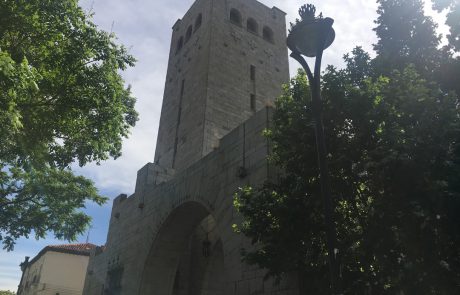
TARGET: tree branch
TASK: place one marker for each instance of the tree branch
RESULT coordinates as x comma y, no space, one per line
17,201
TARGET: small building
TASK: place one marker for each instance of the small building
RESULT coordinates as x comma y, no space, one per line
56,270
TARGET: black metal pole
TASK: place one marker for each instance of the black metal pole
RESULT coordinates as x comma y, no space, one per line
331,235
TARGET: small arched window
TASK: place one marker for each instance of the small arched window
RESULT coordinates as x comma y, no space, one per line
235,17
188,34
198,21
180,43
252,26
268,34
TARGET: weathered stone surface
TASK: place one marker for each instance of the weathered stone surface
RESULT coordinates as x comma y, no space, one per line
174,234
208,86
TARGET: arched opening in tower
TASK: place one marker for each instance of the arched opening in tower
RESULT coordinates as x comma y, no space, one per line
187,256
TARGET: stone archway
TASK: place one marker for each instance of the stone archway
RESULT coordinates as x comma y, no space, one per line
187,256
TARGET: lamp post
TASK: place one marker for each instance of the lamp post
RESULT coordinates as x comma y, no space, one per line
309,37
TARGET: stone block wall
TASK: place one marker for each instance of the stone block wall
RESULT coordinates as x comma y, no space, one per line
210,89
151,222
179,140
234,50
174,235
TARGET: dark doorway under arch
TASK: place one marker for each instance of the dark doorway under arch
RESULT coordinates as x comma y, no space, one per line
187,256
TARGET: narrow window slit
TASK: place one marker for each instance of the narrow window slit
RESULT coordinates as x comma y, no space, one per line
253,73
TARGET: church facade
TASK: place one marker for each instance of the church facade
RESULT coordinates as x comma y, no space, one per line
173,236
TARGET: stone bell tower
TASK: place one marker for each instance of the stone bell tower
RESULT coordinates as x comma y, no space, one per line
173,236
228,59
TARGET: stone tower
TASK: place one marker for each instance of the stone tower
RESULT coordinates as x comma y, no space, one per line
174,236
228,59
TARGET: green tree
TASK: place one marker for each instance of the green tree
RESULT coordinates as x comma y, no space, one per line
62,101
453,20
450,67
394,163
393,131
405,36
7,293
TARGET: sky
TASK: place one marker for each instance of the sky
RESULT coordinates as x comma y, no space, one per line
144,26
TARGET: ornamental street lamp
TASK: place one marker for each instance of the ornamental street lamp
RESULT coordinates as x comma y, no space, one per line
310,37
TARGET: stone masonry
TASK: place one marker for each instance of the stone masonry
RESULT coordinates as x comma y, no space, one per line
208,85
173,236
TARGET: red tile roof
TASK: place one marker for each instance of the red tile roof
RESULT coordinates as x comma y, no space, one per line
83,247
76,249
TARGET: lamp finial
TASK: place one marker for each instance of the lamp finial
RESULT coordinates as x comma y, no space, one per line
307,12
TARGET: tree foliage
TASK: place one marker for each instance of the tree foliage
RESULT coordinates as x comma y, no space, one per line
406,36
62,101
453,21
393,139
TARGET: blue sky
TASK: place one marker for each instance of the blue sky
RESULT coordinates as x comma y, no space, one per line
144,26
